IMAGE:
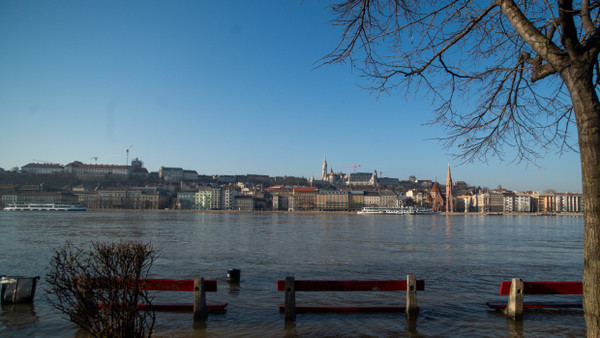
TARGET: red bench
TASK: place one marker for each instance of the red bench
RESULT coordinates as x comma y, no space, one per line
198,285
291,286
517,288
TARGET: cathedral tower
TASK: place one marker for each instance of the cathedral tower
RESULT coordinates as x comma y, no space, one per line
324,170
449,197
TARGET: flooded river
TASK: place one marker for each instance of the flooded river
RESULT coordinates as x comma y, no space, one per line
462,259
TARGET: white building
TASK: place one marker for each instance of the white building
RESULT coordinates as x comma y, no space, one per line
569,202
522,203
417,196
170,174
209,199
81,169
42,168
228,195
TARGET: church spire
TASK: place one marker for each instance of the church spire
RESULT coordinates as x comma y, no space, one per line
324,170
449,197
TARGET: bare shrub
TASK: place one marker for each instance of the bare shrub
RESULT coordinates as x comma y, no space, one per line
99,289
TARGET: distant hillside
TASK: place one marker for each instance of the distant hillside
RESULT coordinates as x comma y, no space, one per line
62,181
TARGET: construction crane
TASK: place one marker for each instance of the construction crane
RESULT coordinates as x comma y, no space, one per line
127,151
352,166
95,158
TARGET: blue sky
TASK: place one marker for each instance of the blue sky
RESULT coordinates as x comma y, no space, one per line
220,87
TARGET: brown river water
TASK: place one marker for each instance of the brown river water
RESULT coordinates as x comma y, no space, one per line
462,259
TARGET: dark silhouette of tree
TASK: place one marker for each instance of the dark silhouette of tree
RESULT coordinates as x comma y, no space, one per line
99,289
503,73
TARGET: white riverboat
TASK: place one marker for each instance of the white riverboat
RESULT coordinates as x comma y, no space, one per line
45,207
396,211
372,210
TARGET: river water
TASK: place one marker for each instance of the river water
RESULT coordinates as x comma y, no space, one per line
462,259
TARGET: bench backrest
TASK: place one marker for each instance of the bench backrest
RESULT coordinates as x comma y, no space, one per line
546,288
337,285
166,284
175,285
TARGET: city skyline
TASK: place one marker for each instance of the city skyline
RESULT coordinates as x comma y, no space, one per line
220,88
51,167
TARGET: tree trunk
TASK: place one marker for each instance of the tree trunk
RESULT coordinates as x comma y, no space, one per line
587,112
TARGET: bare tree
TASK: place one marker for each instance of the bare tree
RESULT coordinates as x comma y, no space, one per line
100,289
503,73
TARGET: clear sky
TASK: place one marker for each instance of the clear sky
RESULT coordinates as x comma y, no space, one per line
220,87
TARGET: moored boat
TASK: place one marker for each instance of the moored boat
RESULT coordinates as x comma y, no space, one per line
45,207
396,211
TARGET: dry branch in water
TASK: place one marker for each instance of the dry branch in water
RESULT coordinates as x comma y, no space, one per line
75,289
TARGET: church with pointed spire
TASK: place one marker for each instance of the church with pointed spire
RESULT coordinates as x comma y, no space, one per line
437,200
324,175
449,197
434,199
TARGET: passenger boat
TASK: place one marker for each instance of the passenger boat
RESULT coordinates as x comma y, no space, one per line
45,207
424,211
372,210
396,211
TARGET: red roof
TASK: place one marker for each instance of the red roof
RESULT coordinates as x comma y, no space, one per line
305,189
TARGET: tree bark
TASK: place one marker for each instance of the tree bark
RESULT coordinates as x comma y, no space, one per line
587,112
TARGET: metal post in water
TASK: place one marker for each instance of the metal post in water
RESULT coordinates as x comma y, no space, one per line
233,276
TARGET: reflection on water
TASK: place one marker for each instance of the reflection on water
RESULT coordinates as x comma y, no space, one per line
18,314
462,259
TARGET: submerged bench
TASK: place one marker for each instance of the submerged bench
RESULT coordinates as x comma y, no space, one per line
291,286
517,288
198,285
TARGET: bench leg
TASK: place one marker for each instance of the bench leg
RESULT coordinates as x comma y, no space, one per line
514,309
411,296
290,299
200,307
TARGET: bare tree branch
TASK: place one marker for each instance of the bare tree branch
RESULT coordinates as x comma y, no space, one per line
108,274
494,49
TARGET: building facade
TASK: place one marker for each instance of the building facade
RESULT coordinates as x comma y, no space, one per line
170,174
304,198
81,169
186,200
362,179
490,202
388,199
332,200
372,199
208,199
569,202
42,169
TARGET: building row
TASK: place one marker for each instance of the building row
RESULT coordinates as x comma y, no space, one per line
234,197
507,202
313,199
142,198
